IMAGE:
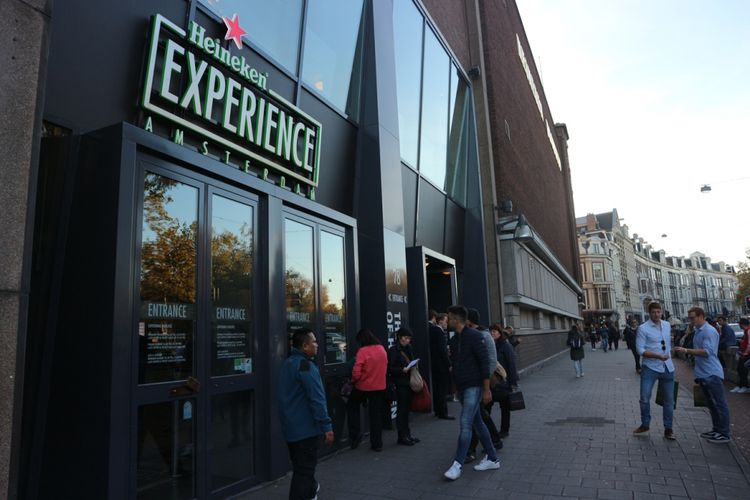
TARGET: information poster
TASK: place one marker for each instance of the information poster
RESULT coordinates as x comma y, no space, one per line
165,350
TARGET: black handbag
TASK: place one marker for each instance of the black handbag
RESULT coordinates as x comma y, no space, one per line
660,394
516,401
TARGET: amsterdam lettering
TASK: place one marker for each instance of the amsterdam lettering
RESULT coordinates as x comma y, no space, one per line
199,85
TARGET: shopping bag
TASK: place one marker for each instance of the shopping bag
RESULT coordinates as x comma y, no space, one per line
660,395
516,401
421,401
699,397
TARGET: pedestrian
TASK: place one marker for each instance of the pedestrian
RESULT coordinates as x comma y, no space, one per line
614,336
510,334
604,336
592,336
654,345
473,321
727,339
629,334
744,355
576,343
709,374
506,356
469,363
303,413
399,357
439,367
368,378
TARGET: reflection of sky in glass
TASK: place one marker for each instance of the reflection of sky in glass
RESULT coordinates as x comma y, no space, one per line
407,33
332,267
180,203
330,44
229,216
299,249
272,25
434,111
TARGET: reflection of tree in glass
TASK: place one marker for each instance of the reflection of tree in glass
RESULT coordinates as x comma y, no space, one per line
299,291
168,251
231,266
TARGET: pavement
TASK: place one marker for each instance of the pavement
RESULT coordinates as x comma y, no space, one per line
573,440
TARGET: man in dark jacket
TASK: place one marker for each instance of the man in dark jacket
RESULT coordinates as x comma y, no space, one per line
439,367
727,339
469,363
629,334
506,356
303,413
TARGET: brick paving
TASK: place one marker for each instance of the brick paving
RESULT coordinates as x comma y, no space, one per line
573,441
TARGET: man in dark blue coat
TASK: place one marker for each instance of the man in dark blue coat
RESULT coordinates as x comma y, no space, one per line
439,367
303,413
469,362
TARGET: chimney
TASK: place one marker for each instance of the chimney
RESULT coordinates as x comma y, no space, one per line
590,222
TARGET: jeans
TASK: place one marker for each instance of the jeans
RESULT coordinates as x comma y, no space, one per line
374,407
304,456
578,365
471,398
713,389
484,411
605,343
666,380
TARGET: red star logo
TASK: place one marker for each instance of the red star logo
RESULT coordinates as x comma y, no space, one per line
234,30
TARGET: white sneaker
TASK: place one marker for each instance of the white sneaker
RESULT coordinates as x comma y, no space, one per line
744,390
487,464
454,472
578,375
581,374
736,389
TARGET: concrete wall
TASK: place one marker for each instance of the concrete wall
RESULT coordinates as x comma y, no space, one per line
23,52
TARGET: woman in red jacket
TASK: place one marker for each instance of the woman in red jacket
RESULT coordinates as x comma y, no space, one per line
368,377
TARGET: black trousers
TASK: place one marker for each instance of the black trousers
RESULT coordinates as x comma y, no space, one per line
403,402
484,411
375,405
636,357
742,372
304,456
616,343
440,386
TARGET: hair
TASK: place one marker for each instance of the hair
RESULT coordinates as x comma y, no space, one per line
300,337
441,317
496,327
472,315
698,311
433,314
653,305
366,337
722,318
459,311
404,332
744,321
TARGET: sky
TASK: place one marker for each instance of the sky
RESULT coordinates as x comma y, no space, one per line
656,98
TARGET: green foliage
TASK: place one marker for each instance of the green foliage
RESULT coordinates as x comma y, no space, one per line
743,276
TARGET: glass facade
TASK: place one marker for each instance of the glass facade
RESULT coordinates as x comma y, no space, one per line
433,148
333,296
332,51
407,40
274,26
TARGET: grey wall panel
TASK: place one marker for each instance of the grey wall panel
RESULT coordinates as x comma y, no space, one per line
430,217
409,183
454,232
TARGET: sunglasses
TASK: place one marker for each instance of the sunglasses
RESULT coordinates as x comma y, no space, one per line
663,345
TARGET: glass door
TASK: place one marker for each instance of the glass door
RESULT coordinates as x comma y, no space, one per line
195,387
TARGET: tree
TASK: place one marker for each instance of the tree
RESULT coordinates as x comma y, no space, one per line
743,277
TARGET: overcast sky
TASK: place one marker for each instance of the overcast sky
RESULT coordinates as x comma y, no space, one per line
656,97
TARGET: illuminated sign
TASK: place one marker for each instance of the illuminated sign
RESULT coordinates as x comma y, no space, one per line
200,86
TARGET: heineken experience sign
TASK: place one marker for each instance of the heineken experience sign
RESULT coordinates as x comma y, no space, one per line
201,88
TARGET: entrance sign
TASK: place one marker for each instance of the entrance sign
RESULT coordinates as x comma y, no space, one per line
198,84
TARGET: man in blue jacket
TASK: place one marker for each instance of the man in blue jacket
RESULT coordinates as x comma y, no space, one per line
303,413
469,360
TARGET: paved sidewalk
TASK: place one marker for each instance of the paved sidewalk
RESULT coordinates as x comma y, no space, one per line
573,441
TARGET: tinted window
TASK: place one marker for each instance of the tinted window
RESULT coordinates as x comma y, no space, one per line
333,296
332,57
460,138
298,275
407,34
272,26
434,133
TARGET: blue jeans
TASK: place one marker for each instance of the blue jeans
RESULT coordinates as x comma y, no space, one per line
666,379
713,389
605,343
578,364
471,398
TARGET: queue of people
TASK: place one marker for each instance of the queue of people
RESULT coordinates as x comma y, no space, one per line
476,365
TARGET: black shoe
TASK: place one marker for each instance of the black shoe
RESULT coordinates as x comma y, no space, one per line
470,457
503,434
413,439
446,417
354,443
406,442
376,448
498,445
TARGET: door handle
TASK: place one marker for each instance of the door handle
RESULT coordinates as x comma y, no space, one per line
192,386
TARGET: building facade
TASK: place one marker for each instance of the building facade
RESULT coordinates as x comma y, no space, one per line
198,179
622,274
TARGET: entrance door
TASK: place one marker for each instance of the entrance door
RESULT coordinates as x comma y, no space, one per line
195,386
